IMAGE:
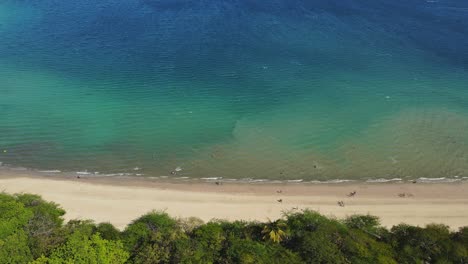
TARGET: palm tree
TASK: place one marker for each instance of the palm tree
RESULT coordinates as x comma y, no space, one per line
275,231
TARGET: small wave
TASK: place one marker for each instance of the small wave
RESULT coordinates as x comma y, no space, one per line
383,180
230,180
211,178
276,181
250,180
83,173
294,181
257,180
339,181
441,179
121,174
50,171
432,179
330,181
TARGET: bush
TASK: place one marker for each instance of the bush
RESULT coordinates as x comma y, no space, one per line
81,248
316,238
152,238
246,251
208,241
422,245
108,231
43,228
13,215
14,248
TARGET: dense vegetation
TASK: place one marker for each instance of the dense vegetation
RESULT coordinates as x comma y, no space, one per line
33,231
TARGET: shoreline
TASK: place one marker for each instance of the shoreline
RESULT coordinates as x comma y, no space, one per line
120,200
6,169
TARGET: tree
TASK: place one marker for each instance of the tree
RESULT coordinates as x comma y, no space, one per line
189,224
459,252
42,208
152,238
246,251
14,249
242,229
366,223
108,231
81,248
43,228
275,231
207,241
13,215
360,247
419,245
363,242
13,240
315,238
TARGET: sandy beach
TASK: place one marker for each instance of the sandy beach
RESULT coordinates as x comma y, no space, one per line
119,201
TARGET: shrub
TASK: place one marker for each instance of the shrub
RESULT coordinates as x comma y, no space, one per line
152,238
81,248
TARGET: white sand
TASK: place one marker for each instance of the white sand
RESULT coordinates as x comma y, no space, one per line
121,201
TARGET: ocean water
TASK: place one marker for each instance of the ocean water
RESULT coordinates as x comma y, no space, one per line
279,89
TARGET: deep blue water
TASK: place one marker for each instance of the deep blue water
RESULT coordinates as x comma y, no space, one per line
280,89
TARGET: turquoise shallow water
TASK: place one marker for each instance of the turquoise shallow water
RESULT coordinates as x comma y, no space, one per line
313,90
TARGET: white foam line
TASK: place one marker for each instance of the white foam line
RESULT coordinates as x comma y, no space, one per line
258,180
432,179
211,178
330,181
441,179
383,180
118,174
292,181
83,173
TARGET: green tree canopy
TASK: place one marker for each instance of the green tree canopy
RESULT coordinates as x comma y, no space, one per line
81,248
152,238
13,215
